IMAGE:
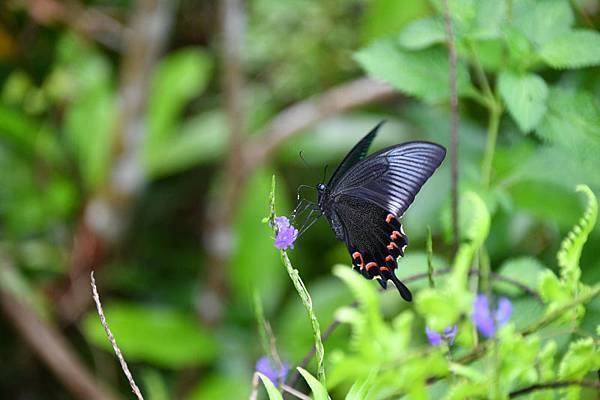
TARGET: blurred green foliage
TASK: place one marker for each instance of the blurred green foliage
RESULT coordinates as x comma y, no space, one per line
529,86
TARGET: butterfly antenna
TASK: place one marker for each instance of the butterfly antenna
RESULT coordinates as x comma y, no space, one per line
301,187
325,172
301,154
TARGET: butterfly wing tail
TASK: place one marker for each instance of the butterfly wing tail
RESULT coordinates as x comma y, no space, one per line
404,291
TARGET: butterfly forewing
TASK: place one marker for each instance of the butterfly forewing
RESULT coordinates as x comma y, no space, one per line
358,152
391,178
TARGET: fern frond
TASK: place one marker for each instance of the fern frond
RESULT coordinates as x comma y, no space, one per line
572,245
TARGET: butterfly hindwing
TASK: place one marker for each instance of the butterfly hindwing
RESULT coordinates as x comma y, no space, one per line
374,238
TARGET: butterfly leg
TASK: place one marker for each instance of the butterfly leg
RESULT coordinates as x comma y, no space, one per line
310,220
301,207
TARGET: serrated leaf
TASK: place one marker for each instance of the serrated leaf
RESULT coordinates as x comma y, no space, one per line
272,391
575,49
545,362
142,333
318,390
423,33
572,123
581,358
423,74
519,47
490,16
550,287
525,97
542,20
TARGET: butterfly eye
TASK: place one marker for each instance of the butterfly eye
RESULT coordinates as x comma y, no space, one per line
321,187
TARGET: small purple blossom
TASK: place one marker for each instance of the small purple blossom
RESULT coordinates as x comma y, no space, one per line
436,338
266,367
286,233
487,321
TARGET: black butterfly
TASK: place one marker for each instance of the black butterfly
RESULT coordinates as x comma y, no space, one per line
365,198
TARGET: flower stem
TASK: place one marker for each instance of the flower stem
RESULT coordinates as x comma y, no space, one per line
301,289
490,147
307,301
550,317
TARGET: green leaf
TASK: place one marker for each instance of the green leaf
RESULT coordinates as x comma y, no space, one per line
178,78
490,16
272,391
575,49
318,390
155,387
520,49
545,363
90,131
525,96
91,107
572,123
551,288
423,33
581,358
440,309
423,74
525,270
161,336
220,385
388,17
365,293
542,20
200,138
360,389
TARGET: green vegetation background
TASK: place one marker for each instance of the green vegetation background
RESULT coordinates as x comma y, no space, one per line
141,195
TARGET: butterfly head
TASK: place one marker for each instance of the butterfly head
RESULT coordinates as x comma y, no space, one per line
321,187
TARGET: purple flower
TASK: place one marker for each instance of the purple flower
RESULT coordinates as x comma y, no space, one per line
436,338
286,233
487,321
275,375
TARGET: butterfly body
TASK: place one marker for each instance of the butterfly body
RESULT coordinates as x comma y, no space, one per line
366,197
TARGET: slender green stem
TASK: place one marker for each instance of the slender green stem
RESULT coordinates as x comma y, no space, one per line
430,270
550,317
490,147
307,301
302,291
481,76
484,271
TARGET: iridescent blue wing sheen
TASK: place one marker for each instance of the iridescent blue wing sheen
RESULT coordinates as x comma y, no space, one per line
392,177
